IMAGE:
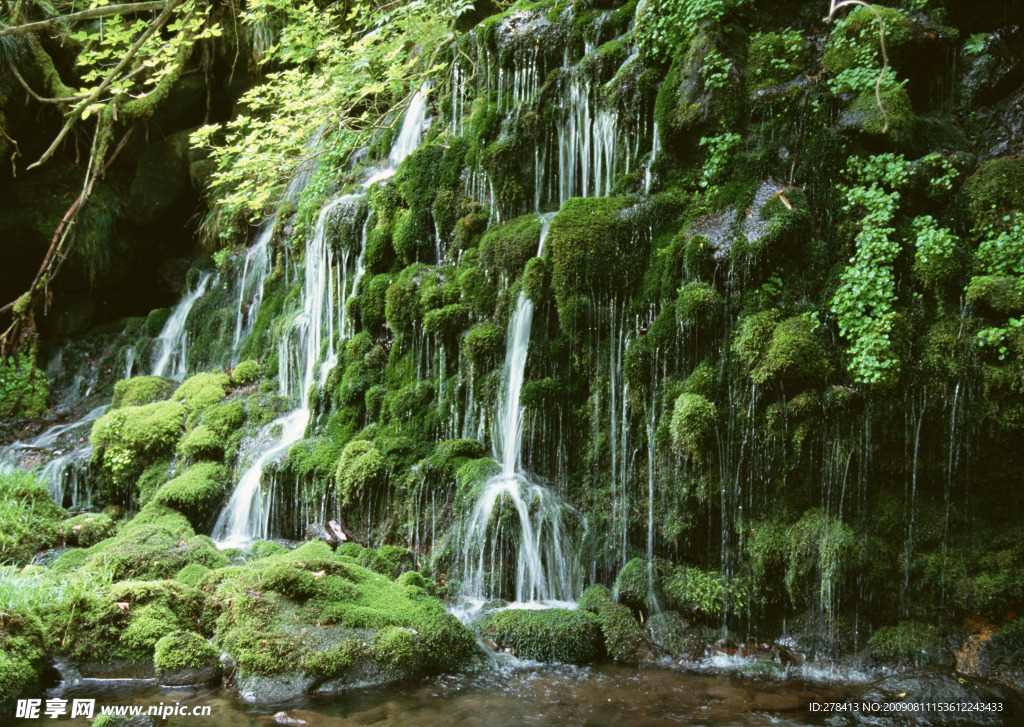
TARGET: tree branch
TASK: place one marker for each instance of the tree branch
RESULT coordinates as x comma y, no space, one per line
83,15
95,94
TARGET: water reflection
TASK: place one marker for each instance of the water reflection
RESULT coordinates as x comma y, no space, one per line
514,693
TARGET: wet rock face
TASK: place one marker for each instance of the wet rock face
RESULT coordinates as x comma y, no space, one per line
993,85
993,704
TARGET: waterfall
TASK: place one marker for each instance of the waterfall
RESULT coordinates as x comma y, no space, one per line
63,474
655,148
173,338
247,514
545,567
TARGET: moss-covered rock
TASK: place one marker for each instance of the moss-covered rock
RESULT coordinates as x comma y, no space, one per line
184,658
698,306
156,544
693,421
198,493
483,347
125,440
700,94
548,635
340,628
246,372
87,529
997,295
142,390
29,518
199,392
505,249
122,622
24,389
201,443
995,193
22,656
360,469
909,642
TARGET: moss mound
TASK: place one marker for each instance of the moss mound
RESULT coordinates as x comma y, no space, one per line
142,390
548,635
293,608
197,494
29,518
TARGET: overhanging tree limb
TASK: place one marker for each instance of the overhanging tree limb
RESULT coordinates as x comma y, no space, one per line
99,12
76,112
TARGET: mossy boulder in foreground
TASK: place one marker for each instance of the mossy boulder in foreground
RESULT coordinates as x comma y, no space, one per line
315,621
550,634
184,658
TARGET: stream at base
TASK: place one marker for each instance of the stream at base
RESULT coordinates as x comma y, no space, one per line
512,693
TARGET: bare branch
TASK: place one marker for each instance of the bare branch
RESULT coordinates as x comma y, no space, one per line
83,15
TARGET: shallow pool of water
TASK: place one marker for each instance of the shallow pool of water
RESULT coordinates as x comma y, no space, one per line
510,693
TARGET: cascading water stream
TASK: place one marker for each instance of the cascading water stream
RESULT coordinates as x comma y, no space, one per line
246,516
545,570
173,338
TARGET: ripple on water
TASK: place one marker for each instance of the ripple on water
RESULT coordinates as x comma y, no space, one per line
512,692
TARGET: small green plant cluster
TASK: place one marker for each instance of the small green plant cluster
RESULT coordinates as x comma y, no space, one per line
1003,253
23,388
997,339
720,149
935,258
665,25
864,303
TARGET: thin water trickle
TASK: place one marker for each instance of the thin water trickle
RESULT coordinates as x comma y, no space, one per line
173,339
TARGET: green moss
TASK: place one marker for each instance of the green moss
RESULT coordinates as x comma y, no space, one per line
821,553
268,633
157,543
447,323
624,639
141,390
200,392
184,650
856,42
24,389
22,656
122,621
693,422
865,115
795,353
413,578
125,440
29,518
197,494
995,194
773,58
632,585
245,373
265,549
698,305
484,346
201,443
505,249
700,93
155,321
705,595
360,469
86,530
997,295
908,642
548,635
191,574
388,560
593,597
594,255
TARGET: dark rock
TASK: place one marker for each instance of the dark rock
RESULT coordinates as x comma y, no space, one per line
999,704
992,85
668,629
161,175
190,677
